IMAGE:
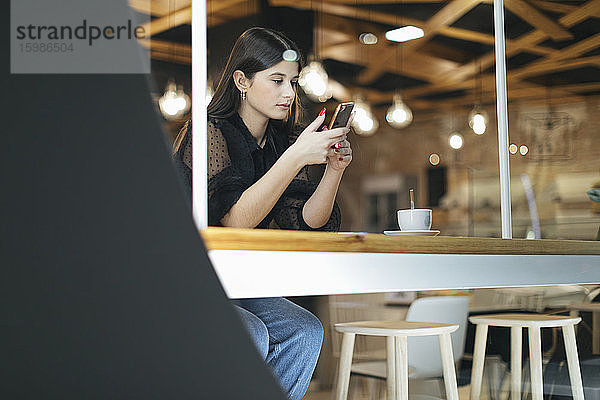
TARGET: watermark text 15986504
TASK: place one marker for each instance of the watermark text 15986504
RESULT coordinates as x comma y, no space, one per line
56,47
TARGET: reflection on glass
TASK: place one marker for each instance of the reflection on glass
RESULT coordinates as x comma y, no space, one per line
553,109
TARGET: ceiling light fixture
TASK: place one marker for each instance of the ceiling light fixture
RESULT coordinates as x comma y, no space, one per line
368,38
364,121
404,34
313,79
456,141
399,115
174,103
478,119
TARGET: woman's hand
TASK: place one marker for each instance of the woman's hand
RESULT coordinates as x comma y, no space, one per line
313,146
341,155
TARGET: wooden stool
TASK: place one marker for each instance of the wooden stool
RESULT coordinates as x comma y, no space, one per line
396,333
533,322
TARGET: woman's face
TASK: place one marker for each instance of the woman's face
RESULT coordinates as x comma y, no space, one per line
272,91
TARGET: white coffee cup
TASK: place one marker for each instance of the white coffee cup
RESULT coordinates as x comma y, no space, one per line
417,219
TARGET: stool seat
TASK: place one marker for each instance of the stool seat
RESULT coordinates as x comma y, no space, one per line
525,320
395,328
396,367
533,323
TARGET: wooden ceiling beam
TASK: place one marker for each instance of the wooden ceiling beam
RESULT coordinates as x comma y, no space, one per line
488,83
354,2
184,16
419,66
167,47
554,66
226,11
560,58
528,91
172,58
579,48
591,8
538,20
335,23
477,37
553,6
341,10
465,71
556,7
443,18
580,87
364,54
166,22
178,53
154,7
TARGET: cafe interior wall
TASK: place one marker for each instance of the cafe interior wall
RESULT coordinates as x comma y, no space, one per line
471,206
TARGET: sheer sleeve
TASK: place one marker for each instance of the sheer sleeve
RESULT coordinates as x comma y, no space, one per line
288,210
225,185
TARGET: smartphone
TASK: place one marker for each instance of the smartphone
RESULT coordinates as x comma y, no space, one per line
342,115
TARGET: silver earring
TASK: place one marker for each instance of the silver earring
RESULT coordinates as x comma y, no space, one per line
243,94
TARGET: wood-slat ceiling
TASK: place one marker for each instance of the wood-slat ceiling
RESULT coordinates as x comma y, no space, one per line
550,43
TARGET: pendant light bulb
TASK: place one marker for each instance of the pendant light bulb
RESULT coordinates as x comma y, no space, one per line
183,100
168,104
364,123
455,140
399,115
313,79
174,103
478,120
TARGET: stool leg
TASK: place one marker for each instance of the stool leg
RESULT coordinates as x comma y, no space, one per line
478,360
448,366
535,363
391,368
573,361
345,364
516,358
401,368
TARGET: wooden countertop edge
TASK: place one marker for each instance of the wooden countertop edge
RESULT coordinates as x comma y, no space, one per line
217,238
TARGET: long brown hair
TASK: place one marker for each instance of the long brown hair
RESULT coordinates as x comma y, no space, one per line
255,50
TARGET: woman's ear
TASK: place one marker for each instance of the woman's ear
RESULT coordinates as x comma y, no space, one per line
240,80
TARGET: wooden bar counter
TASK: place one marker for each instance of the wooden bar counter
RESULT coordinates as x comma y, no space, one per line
270,262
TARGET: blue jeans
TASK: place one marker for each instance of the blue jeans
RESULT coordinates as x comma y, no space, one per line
287,337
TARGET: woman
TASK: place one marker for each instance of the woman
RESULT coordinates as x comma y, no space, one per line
257,174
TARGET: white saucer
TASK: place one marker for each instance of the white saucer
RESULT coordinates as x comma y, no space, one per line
413,233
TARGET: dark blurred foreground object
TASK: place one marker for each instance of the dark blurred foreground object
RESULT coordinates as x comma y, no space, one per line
106,291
